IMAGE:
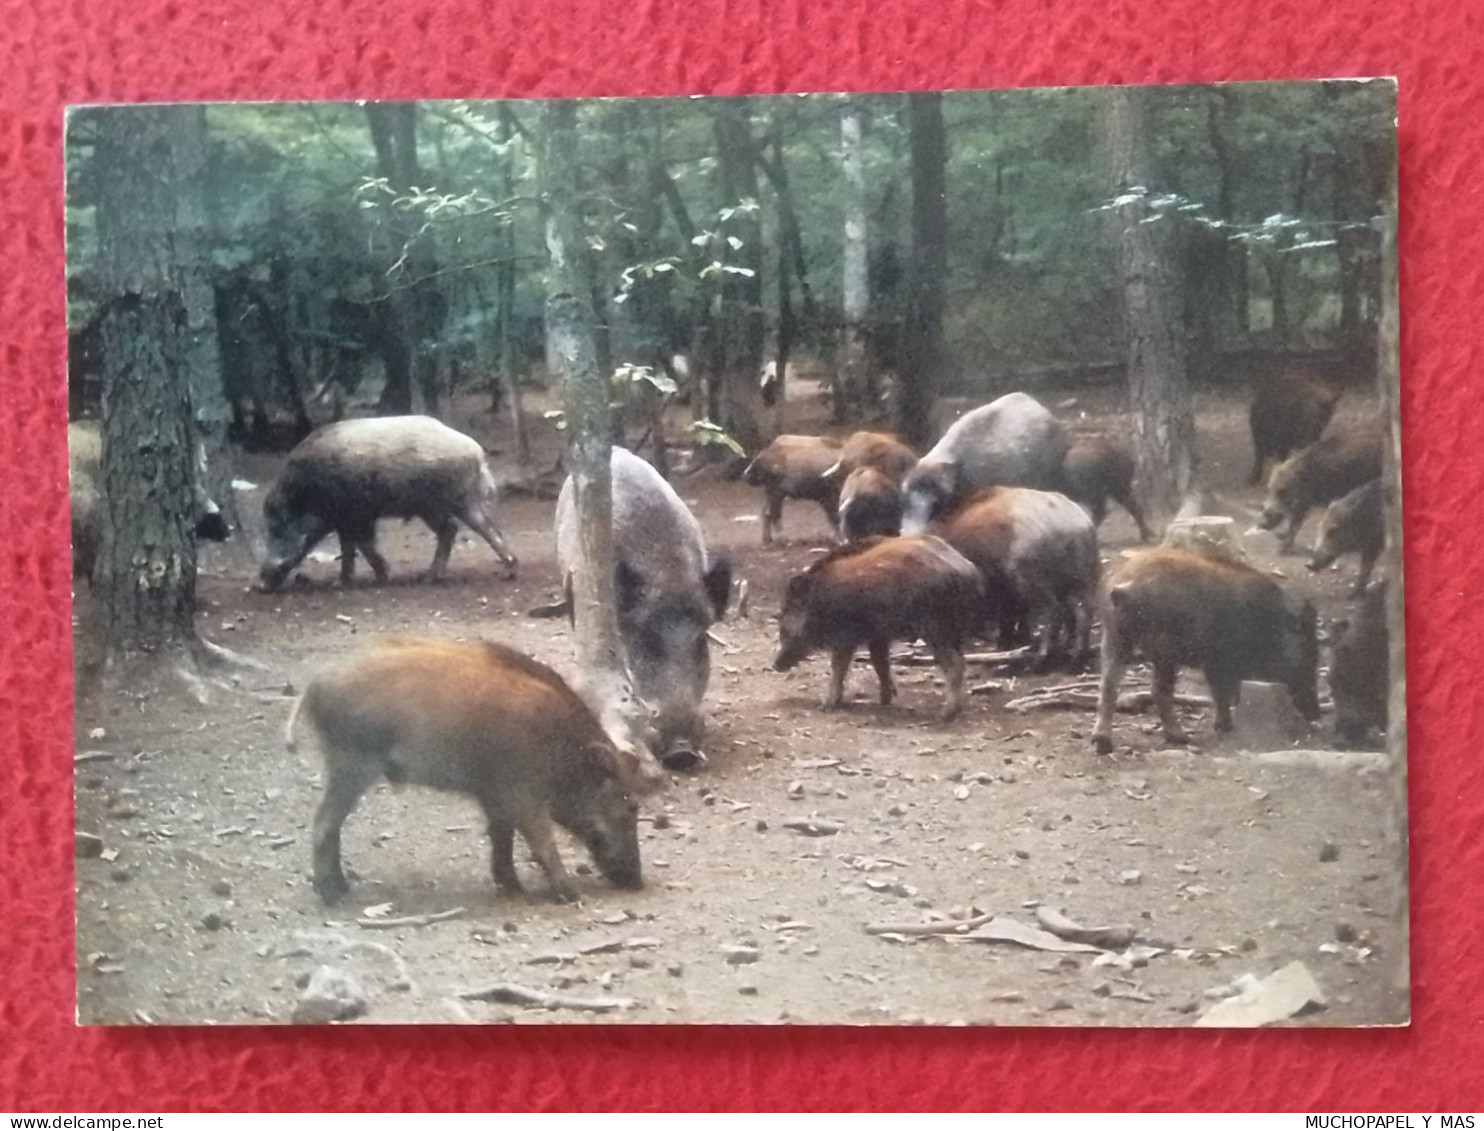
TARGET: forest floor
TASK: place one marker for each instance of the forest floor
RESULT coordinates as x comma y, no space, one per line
200,910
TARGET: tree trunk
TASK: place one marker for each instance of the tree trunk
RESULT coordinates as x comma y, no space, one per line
922,355
855,284
506,301
569,333
193,227
147,577
740,329
1158,387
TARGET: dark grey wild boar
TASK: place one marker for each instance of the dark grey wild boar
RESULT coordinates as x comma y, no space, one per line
1184,608
1038,553
1011,442
479,719
1320,474
1360,669
1097,469
669,592
870,503
1290,410
793,467
1352,525
875,591
344,477
85,491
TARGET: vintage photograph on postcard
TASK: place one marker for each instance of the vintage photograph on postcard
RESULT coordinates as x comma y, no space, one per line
893,559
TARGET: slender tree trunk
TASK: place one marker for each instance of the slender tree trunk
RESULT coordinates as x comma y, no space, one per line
193,227
147,576
741,326
569,332
1159,390
506,302
923,360
855,285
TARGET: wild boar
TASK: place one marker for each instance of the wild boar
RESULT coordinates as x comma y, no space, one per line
870,503
1319,474
1360,669
344,477
875,591
793,467
1180,607
669,592
880,451
1011,442
1290,409
480,719
1352,524
1038,552
85,491
1097,469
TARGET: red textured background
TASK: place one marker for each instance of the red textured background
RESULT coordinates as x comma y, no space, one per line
57,51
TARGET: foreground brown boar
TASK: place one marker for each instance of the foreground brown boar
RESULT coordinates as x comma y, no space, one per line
1320,474
1352,525
1038,552
1182,608
873,592
344,477
880,451
1097,469
870,503
1360,669
1290,409
483,720
793,467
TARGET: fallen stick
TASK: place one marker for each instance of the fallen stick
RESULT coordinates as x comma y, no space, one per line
1130,702
511,994
1109,938
409,920
915,659
946,927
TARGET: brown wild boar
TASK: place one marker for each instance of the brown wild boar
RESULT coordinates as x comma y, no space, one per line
879,450
1352,525
1360,669
1097,469
870,503
873,592
1319,474
1290,409
793,467
1038,553
1184,608
343,477
480,719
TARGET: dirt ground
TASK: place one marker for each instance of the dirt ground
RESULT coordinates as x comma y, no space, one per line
200,908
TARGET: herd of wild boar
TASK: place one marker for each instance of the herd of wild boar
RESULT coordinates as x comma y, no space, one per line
992,532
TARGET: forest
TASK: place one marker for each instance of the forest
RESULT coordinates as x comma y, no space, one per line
705,281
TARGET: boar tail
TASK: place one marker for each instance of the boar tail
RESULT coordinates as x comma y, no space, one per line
290,738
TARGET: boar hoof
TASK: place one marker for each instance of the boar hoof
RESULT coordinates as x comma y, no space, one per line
511,569
564,893
683,758
1102,743
1180,738
331,889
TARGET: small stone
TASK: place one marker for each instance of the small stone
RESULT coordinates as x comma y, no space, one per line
332,994
640,961
1186,869
747,989
1058,1005
897,811
222,888
121,875
761,825
88,846
796,789
212,921
1329,852
1248,946
675,969
1008,996
1022,854
1130,877
660,821
740,955
1344,932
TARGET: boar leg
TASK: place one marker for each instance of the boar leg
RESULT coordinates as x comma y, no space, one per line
347,558
479,522
535,827
881,661
772,515
502,854
1113,668
373,556
1290,536
1130,504
1224,692
1164,703
348,776
446,531
950,658
1367,563
839,666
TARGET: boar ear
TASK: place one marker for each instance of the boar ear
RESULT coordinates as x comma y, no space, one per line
718,583
635,773
628,586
